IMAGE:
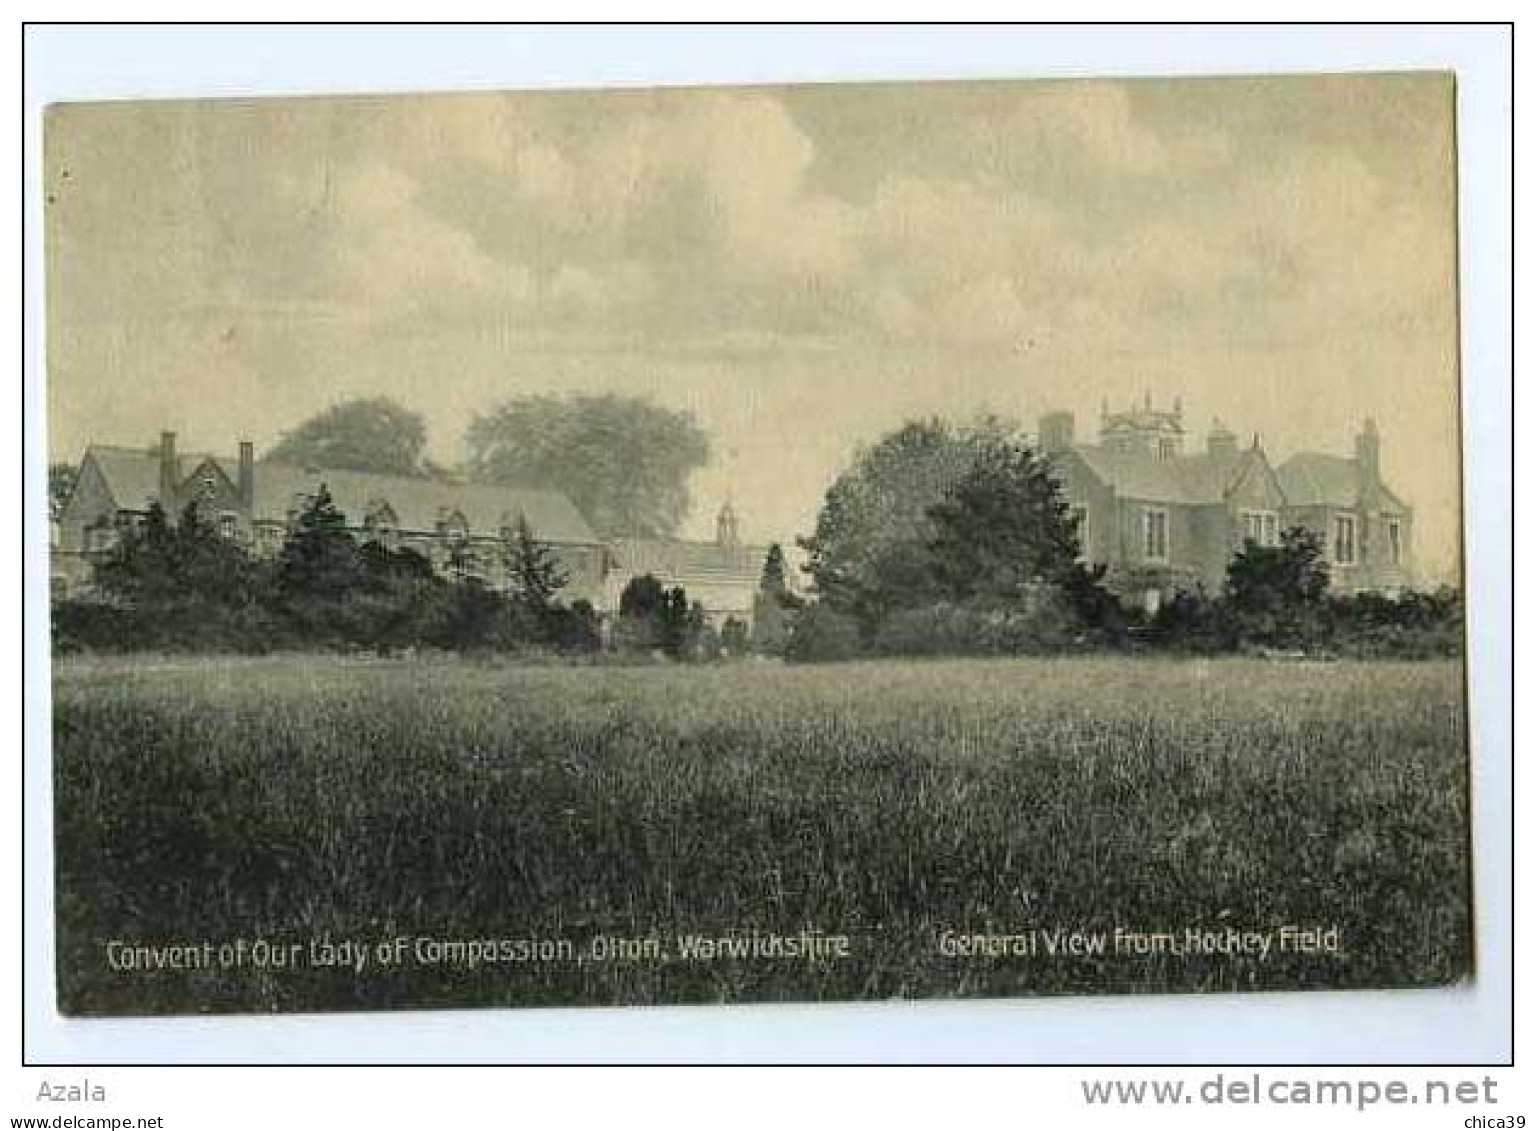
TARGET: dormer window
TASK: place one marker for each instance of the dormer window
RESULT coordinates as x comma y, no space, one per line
380,522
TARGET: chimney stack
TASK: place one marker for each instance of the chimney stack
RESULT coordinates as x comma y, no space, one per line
245,482
170,473
1220,441
1055,432
1368,452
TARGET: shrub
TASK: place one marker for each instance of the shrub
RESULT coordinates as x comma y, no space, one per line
1042,621
733,637
1413,626
821,633
1277,596
1193,622
575,630
89,626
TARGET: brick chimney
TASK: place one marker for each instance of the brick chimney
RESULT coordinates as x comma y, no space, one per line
1368,453
170,474
245,480
1055,432
1220,440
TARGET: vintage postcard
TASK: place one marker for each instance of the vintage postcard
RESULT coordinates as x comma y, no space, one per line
824,543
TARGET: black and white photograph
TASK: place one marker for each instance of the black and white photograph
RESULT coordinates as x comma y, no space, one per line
836,542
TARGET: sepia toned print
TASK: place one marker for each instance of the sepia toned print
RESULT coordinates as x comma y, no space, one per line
710,545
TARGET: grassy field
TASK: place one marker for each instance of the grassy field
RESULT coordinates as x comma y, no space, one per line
272,806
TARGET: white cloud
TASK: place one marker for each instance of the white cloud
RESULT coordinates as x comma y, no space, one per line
677,231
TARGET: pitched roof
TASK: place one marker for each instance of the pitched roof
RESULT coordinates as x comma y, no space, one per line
419,503
1192,480
1314,479
133,477
133,474
676,560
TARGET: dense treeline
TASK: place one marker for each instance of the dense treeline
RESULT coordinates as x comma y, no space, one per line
938,541
1277,600
182,587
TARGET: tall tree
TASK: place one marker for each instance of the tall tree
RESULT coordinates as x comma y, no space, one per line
773,606
774,581
365,434
319,559
143,567
210,566
624,461
1003,529
534,576
869,552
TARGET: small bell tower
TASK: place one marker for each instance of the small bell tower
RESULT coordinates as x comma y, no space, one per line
727,526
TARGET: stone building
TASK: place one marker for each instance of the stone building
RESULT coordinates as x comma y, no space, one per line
1162,519
255,503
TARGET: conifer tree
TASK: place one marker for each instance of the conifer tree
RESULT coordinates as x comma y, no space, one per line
534,576
320,560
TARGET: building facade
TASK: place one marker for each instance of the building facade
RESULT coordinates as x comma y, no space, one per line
1161,519
256,503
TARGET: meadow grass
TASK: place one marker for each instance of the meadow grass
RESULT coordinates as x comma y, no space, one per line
297,798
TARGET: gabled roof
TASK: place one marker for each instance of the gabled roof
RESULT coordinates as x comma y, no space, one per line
1315,479
133,478
133,474
1192,480
419,503
676,560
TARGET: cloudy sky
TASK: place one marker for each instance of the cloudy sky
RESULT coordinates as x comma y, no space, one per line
803,268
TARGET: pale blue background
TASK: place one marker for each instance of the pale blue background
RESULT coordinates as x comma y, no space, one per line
1462,1024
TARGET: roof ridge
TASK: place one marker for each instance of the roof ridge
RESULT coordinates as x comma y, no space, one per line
1320,455
152,452
413,480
